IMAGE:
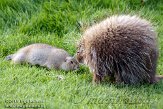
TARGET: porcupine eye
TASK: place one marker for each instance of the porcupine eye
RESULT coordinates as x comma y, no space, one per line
78,52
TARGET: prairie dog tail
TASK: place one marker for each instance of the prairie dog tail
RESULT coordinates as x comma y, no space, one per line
9,57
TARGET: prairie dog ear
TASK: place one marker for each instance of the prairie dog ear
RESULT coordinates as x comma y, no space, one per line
68,58
80,42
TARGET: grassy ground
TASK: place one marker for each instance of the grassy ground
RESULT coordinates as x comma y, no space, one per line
61,23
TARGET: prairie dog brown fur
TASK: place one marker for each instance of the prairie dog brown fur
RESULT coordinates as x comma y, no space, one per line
123,48
44,55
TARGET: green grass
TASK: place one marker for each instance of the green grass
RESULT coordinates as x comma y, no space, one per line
61,23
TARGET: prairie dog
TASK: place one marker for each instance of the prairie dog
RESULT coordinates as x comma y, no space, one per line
123,48
44,55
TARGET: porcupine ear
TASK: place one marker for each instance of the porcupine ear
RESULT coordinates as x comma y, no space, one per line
78,42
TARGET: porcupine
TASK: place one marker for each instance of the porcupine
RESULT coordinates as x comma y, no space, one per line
123,48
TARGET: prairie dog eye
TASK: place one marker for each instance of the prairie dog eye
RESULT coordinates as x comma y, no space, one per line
71,62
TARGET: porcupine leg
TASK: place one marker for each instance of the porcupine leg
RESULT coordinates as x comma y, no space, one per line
152,66
96,78
118,78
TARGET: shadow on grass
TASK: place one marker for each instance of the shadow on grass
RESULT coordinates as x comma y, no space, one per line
144,88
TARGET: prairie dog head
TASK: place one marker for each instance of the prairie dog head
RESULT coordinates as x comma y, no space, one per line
70,64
